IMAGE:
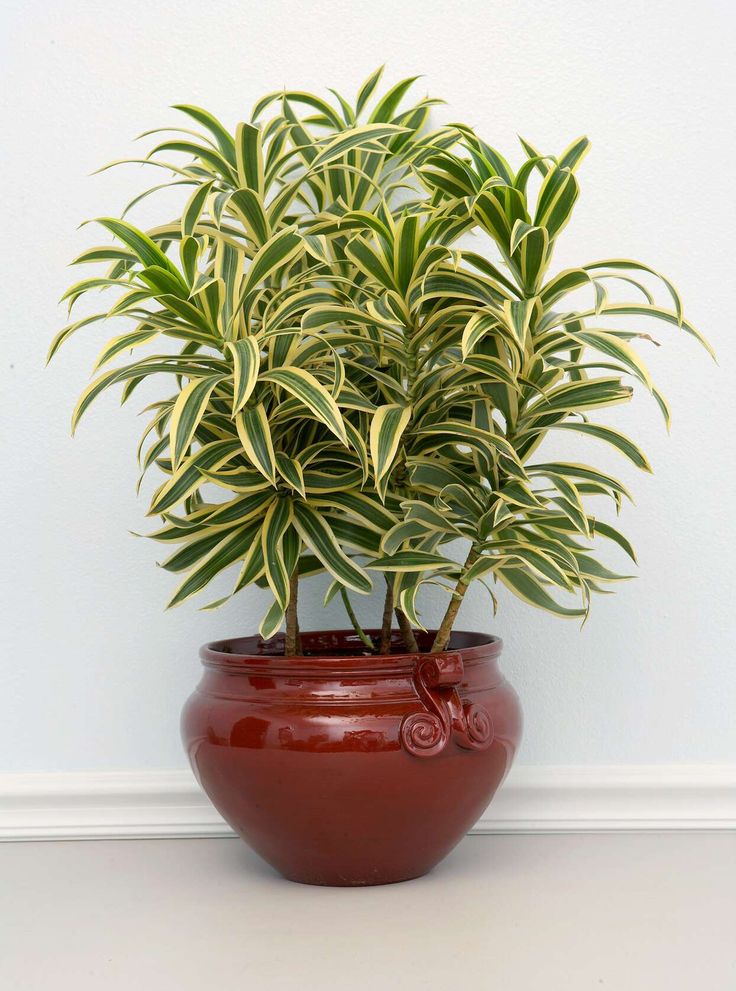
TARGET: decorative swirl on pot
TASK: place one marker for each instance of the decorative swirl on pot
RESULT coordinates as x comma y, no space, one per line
423,734
426,733
478,725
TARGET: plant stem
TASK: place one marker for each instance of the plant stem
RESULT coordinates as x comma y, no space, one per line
407,634
292,640
443,634
388,615
354,620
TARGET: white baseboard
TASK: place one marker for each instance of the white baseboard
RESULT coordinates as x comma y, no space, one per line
534,799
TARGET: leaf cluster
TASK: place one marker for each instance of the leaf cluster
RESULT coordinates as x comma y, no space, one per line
351,387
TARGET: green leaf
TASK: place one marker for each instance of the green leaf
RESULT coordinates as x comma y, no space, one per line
246,355
317,535
275,525
188,410
248,206
406,530
572,397
193,209
103,253
533,258
222,137
617,349
367,89
456,432
614,437
198,547
413,561
530,589
253,565
205,153
365,136
276,252
237,479
388,104
518,313
645,309
590,568
628,264
479,325
490,212
360,539
387,426
124,342
240,510
556,200
227,552
163,284
492,369
521,230
142,246
190,475
66,332
542,563
606,530
312,394
271,621
406,250
367,509
573,155
322,316
249,156
584,472
291,471
375,265
255,436
137,371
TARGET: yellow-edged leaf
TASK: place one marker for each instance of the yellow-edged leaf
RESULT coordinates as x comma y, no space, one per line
255,436
246,355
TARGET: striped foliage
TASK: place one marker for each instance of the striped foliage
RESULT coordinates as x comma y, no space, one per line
352,387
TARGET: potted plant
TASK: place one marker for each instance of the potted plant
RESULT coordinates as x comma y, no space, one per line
356,385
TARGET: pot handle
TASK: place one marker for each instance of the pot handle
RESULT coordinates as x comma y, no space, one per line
445,717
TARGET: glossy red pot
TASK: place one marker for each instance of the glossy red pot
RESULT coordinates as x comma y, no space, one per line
343,768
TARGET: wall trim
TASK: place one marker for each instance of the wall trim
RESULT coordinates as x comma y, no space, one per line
534,799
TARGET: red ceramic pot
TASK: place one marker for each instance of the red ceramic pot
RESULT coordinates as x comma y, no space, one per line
344,768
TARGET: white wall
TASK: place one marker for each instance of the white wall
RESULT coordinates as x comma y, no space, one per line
93,670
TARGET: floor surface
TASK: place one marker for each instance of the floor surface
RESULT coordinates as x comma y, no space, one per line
630,912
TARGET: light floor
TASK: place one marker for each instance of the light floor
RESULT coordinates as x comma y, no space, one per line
630,912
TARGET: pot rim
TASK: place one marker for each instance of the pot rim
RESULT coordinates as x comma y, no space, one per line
253,654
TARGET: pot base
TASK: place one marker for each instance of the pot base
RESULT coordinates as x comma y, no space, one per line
353,882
